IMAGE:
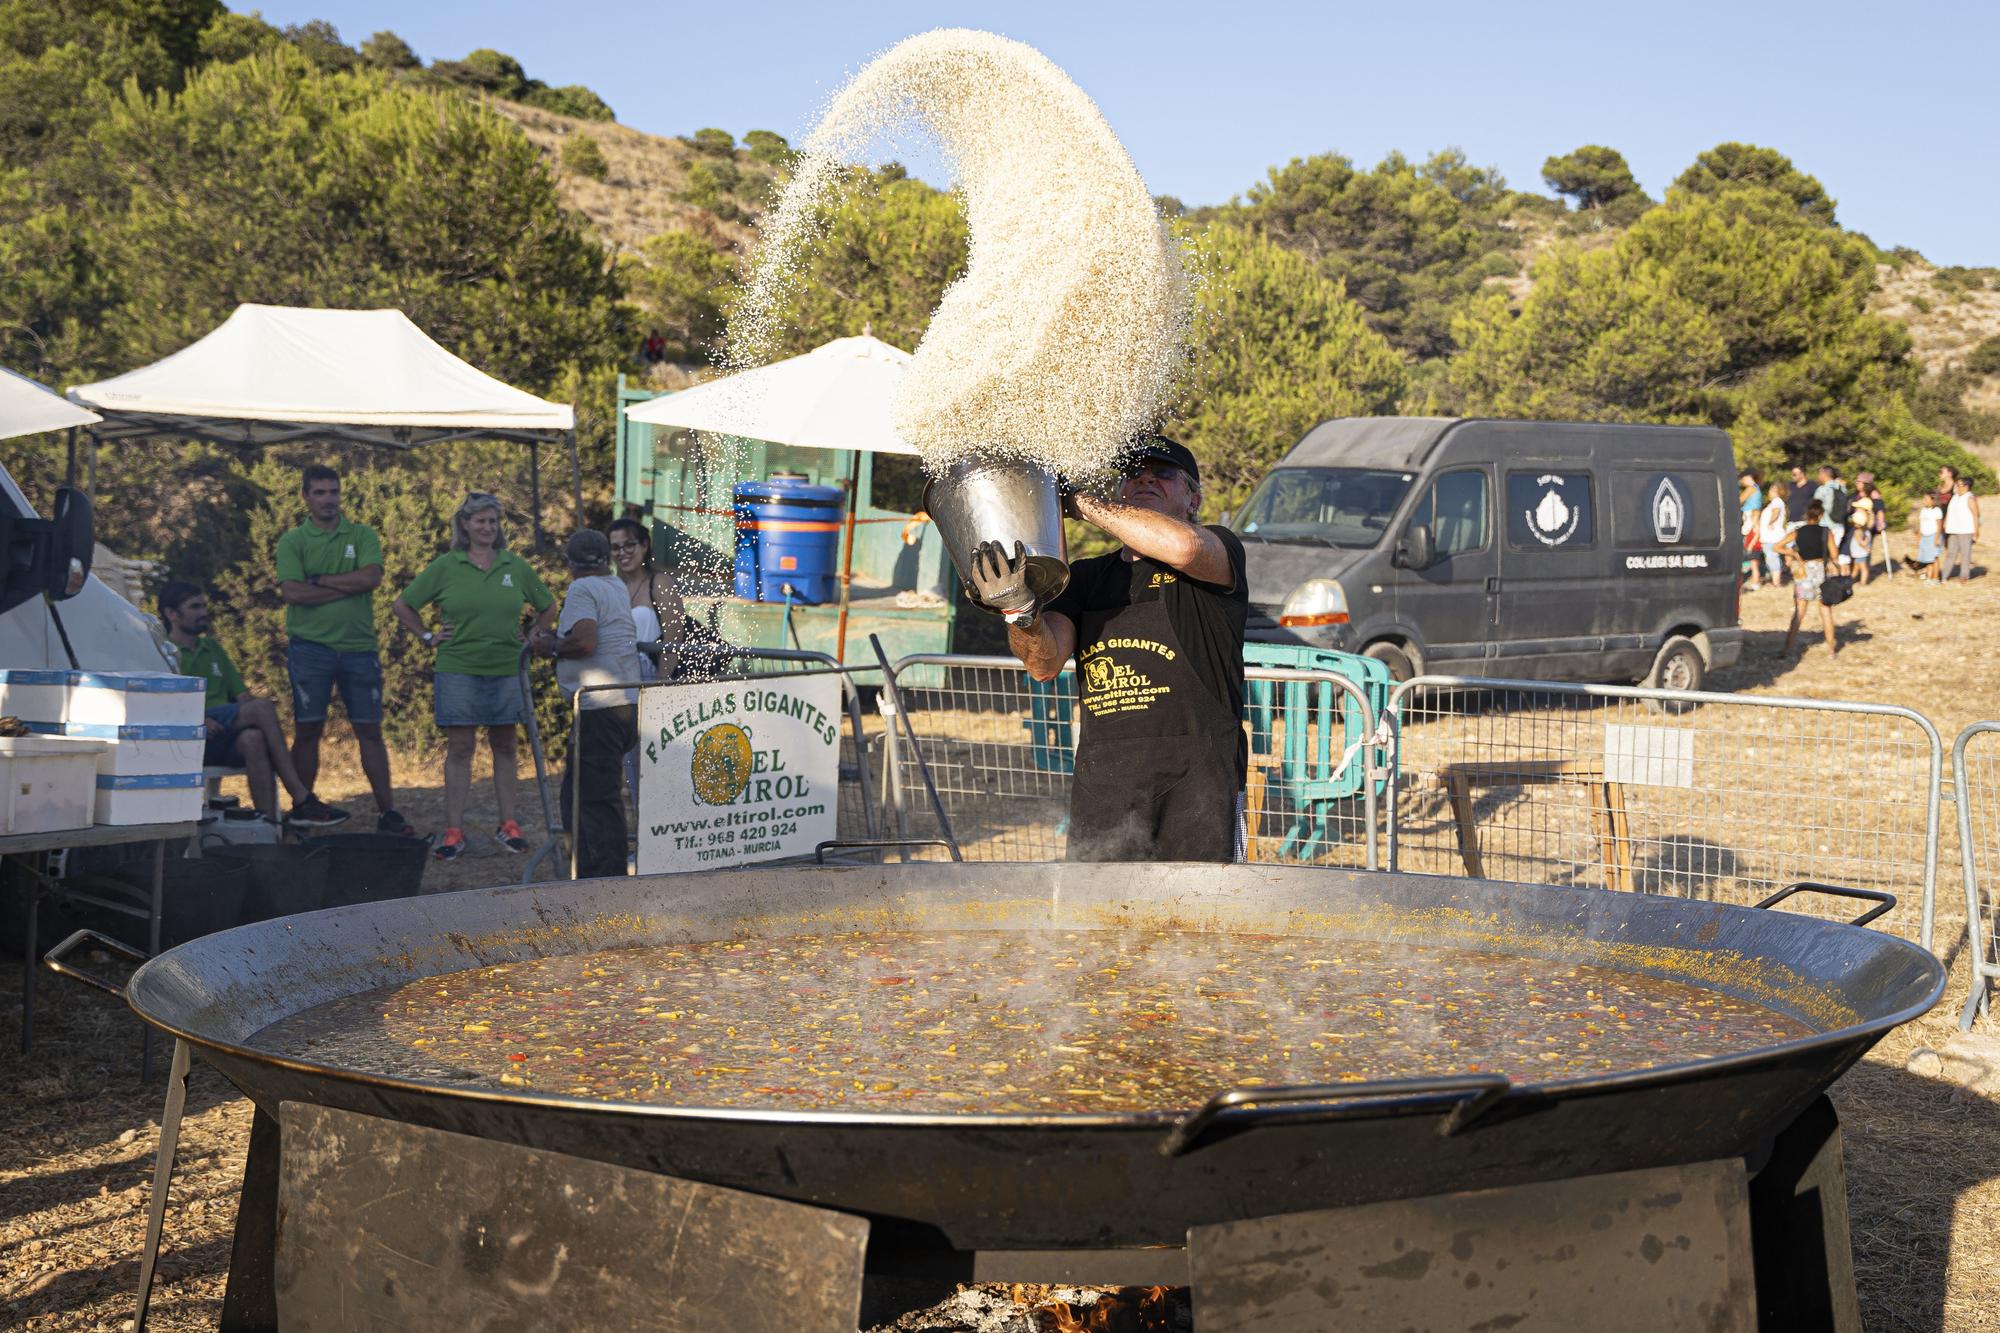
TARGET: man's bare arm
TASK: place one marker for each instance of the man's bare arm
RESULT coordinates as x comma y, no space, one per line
1045,646
1188,547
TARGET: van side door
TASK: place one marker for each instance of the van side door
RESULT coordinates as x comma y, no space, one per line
1552,608
1449,604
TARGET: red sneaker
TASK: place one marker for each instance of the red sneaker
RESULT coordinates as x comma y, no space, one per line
509,835
451,847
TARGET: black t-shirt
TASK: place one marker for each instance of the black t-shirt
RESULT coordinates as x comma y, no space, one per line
1131,680
1810,542
1796,502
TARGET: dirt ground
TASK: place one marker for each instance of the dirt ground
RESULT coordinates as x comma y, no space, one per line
78,1130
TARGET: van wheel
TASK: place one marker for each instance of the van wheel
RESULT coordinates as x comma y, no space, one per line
1678,667
1393,657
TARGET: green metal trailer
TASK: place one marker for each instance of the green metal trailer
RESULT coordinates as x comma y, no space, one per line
902,586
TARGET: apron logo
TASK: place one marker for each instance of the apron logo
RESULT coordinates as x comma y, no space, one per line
719,765
1552,521
1097,674
506,580
1669,512
1160,578
350,550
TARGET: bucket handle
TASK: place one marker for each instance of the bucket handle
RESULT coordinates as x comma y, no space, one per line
872,844
1463,1098
1885,902
55,960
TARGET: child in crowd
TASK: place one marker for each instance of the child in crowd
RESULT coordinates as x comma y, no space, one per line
1930,537
1860,537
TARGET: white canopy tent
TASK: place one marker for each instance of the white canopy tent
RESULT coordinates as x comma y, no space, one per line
276,374
840,395
26,408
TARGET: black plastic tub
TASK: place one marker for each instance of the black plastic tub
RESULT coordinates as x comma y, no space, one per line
284,878
371,867
198,896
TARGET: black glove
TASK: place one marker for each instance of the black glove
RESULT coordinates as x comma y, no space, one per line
1002,583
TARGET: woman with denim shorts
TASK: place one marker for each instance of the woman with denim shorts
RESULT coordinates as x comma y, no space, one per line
480,589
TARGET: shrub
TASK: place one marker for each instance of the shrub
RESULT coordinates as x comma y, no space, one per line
709,184
1985,358
766,146
581,156
385,50
1919,304
571,99
1908,455
714,141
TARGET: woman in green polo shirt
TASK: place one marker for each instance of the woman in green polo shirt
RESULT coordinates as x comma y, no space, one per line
479,588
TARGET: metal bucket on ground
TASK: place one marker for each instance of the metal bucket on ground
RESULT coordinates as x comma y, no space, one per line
1006,501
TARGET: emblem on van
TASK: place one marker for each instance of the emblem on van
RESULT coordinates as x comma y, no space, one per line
1669,512
1552,520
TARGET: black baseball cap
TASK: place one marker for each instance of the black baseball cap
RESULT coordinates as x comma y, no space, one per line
1145,448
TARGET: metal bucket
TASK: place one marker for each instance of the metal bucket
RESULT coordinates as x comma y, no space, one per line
1005,501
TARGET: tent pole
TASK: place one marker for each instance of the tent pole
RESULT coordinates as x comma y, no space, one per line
847,559
535,488
90,468
575,478
69,465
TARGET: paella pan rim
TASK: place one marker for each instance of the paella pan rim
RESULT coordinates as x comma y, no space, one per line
1866,1032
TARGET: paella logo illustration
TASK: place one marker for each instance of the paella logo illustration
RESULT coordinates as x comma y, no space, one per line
1097,674
1553,520
720,765
1669,512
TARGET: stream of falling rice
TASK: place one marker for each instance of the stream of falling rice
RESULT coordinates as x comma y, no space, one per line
1064,335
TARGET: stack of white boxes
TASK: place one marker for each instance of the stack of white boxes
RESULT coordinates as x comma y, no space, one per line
149,723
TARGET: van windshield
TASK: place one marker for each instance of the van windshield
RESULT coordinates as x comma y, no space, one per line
1333,506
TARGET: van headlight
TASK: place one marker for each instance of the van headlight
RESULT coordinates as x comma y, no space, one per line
1314,602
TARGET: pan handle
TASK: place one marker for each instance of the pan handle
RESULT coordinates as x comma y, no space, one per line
1463,1097
55,960
1885,902
838,844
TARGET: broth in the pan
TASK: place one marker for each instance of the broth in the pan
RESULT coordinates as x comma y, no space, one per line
1014,1020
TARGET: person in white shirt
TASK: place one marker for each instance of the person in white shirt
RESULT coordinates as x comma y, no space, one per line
1961,530
1772,525
594,645
1930,537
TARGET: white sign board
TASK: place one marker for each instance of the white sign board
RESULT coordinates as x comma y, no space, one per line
1648,756
737,772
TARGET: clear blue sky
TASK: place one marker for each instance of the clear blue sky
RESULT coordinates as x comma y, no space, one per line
1896,108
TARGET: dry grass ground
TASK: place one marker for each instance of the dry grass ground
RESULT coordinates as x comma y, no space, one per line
79,1130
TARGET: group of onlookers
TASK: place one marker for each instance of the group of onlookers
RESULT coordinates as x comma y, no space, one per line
1826,536
618,623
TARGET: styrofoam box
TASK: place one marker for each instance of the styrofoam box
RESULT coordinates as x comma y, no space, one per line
36,695
46,783
140,748
149,798
135,698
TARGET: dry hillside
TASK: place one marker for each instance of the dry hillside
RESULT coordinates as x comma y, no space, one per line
1946,319
640,197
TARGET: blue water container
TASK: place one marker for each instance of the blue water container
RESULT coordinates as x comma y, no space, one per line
792,530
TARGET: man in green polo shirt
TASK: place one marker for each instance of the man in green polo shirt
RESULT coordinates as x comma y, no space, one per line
328,569
243,731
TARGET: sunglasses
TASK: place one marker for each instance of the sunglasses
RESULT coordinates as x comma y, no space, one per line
624,546
1159,470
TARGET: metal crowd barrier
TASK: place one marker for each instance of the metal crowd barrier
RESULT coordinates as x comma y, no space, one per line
1975,772
998,746
1720,796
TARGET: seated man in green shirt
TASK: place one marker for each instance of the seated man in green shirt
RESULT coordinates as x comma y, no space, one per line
328,570
243,731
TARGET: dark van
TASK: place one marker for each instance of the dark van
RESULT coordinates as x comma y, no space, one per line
1539,549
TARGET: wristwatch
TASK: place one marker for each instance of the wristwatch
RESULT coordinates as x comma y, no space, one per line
312,580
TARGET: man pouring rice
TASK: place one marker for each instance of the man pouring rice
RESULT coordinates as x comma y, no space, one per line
1157,631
